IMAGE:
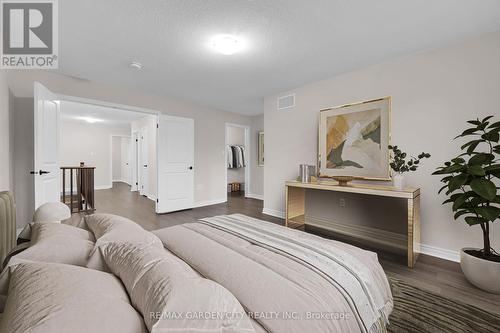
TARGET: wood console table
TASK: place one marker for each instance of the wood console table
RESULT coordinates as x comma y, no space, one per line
295,206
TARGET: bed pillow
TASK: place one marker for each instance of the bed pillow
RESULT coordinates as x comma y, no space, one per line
161,287
58,243
48,297
112,228
108,228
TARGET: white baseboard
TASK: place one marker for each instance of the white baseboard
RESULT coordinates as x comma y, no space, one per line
209,202
273,212
381,237
103,187
121,181
255,196
98,187
151,197
440,253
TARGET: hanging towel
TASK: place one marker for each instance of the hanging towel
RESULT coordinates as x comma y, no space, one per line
236,157
230,155
242,156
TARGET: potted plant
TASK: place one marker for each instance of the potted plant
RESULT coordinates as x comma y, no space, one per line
399,165
471,184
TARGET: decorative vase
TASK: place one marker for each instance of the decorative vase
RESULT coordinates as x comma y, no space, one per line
480,272
398,181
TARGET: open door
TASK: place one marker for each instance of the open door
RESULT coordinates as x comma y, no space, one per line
175,164
46,172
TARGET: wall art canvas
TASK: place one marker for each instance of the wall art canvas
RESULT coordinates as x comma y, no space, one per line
353,140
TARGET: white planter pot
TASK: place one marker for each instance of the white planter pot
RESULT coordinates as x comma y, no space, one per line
398,181
484,274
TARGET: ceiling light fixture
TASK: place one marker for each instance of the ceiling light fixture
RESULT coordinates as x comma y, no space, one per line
227,44
90,120
135,65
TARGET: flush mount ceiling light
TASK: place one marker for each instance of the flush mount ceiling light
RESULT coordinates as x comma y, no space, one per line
227,44
135,65
90,120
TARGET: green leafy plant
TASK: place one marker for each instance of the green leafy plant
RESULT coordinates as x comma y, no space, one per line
471,181
398,161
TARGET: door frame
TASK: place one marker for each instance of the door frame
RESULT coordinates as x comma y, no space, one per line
111,156
247,156
118,106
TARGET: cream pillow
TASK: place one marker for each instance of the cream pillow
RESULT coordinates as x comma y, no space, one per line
47,297
58,243
161,286
112,228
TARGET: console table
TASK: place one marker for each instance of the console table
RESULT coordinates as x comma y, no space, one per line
295,206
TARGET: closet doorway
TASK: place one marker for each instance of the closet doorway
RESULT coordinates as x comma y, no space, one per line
237,164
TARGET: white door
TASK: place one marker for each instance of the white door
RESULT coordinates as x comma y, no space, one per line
144,166
46,172
125,160
175,164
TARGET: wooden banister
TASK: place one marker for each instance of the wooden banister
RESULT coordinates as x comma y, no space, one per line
83,199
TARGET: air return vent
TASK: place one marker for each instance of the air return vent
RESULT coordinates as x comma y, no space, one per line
286,102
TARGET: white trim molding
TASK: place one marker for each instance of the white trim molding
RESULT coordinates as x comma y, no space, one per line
209,202
440,252
255,196
273,212
375,236
381,238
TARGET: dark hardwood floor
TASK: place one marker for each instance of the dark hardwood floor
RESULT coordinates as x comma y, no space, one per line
433,274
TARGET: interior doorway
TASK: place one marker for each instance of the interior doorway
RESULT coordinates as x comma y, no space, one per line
237,161
121,159
163,145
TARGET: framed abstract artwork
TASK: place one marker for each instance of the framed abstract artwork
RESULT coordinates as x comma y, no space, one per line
353,140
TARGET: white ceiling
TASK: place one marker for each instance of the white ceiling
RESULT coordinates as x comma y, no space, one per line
104,115
291,42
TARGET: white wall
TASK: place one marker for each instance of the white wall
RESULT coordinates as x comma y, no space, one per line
5,155
433,95
256,172
116,156
89,143
236,136
150,123
210,161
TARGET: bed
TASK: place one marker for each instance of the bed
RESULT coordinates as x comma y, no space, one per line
230,273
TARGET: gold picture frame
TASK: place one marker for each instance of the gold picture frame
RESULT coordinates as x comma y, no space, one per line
353,140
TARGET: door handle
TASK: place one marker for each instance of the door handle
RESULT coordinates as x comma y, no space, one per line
145,165
41,172
190,168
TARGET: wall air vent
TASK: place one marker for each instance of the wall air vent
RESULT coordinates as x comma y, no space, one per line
286,102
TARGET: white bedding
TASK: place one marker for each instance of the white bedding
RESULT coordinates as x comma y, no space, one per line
270,268
278,275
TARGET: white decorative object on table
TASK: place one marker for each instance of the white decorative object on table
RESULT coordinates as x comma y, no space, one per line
398,180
